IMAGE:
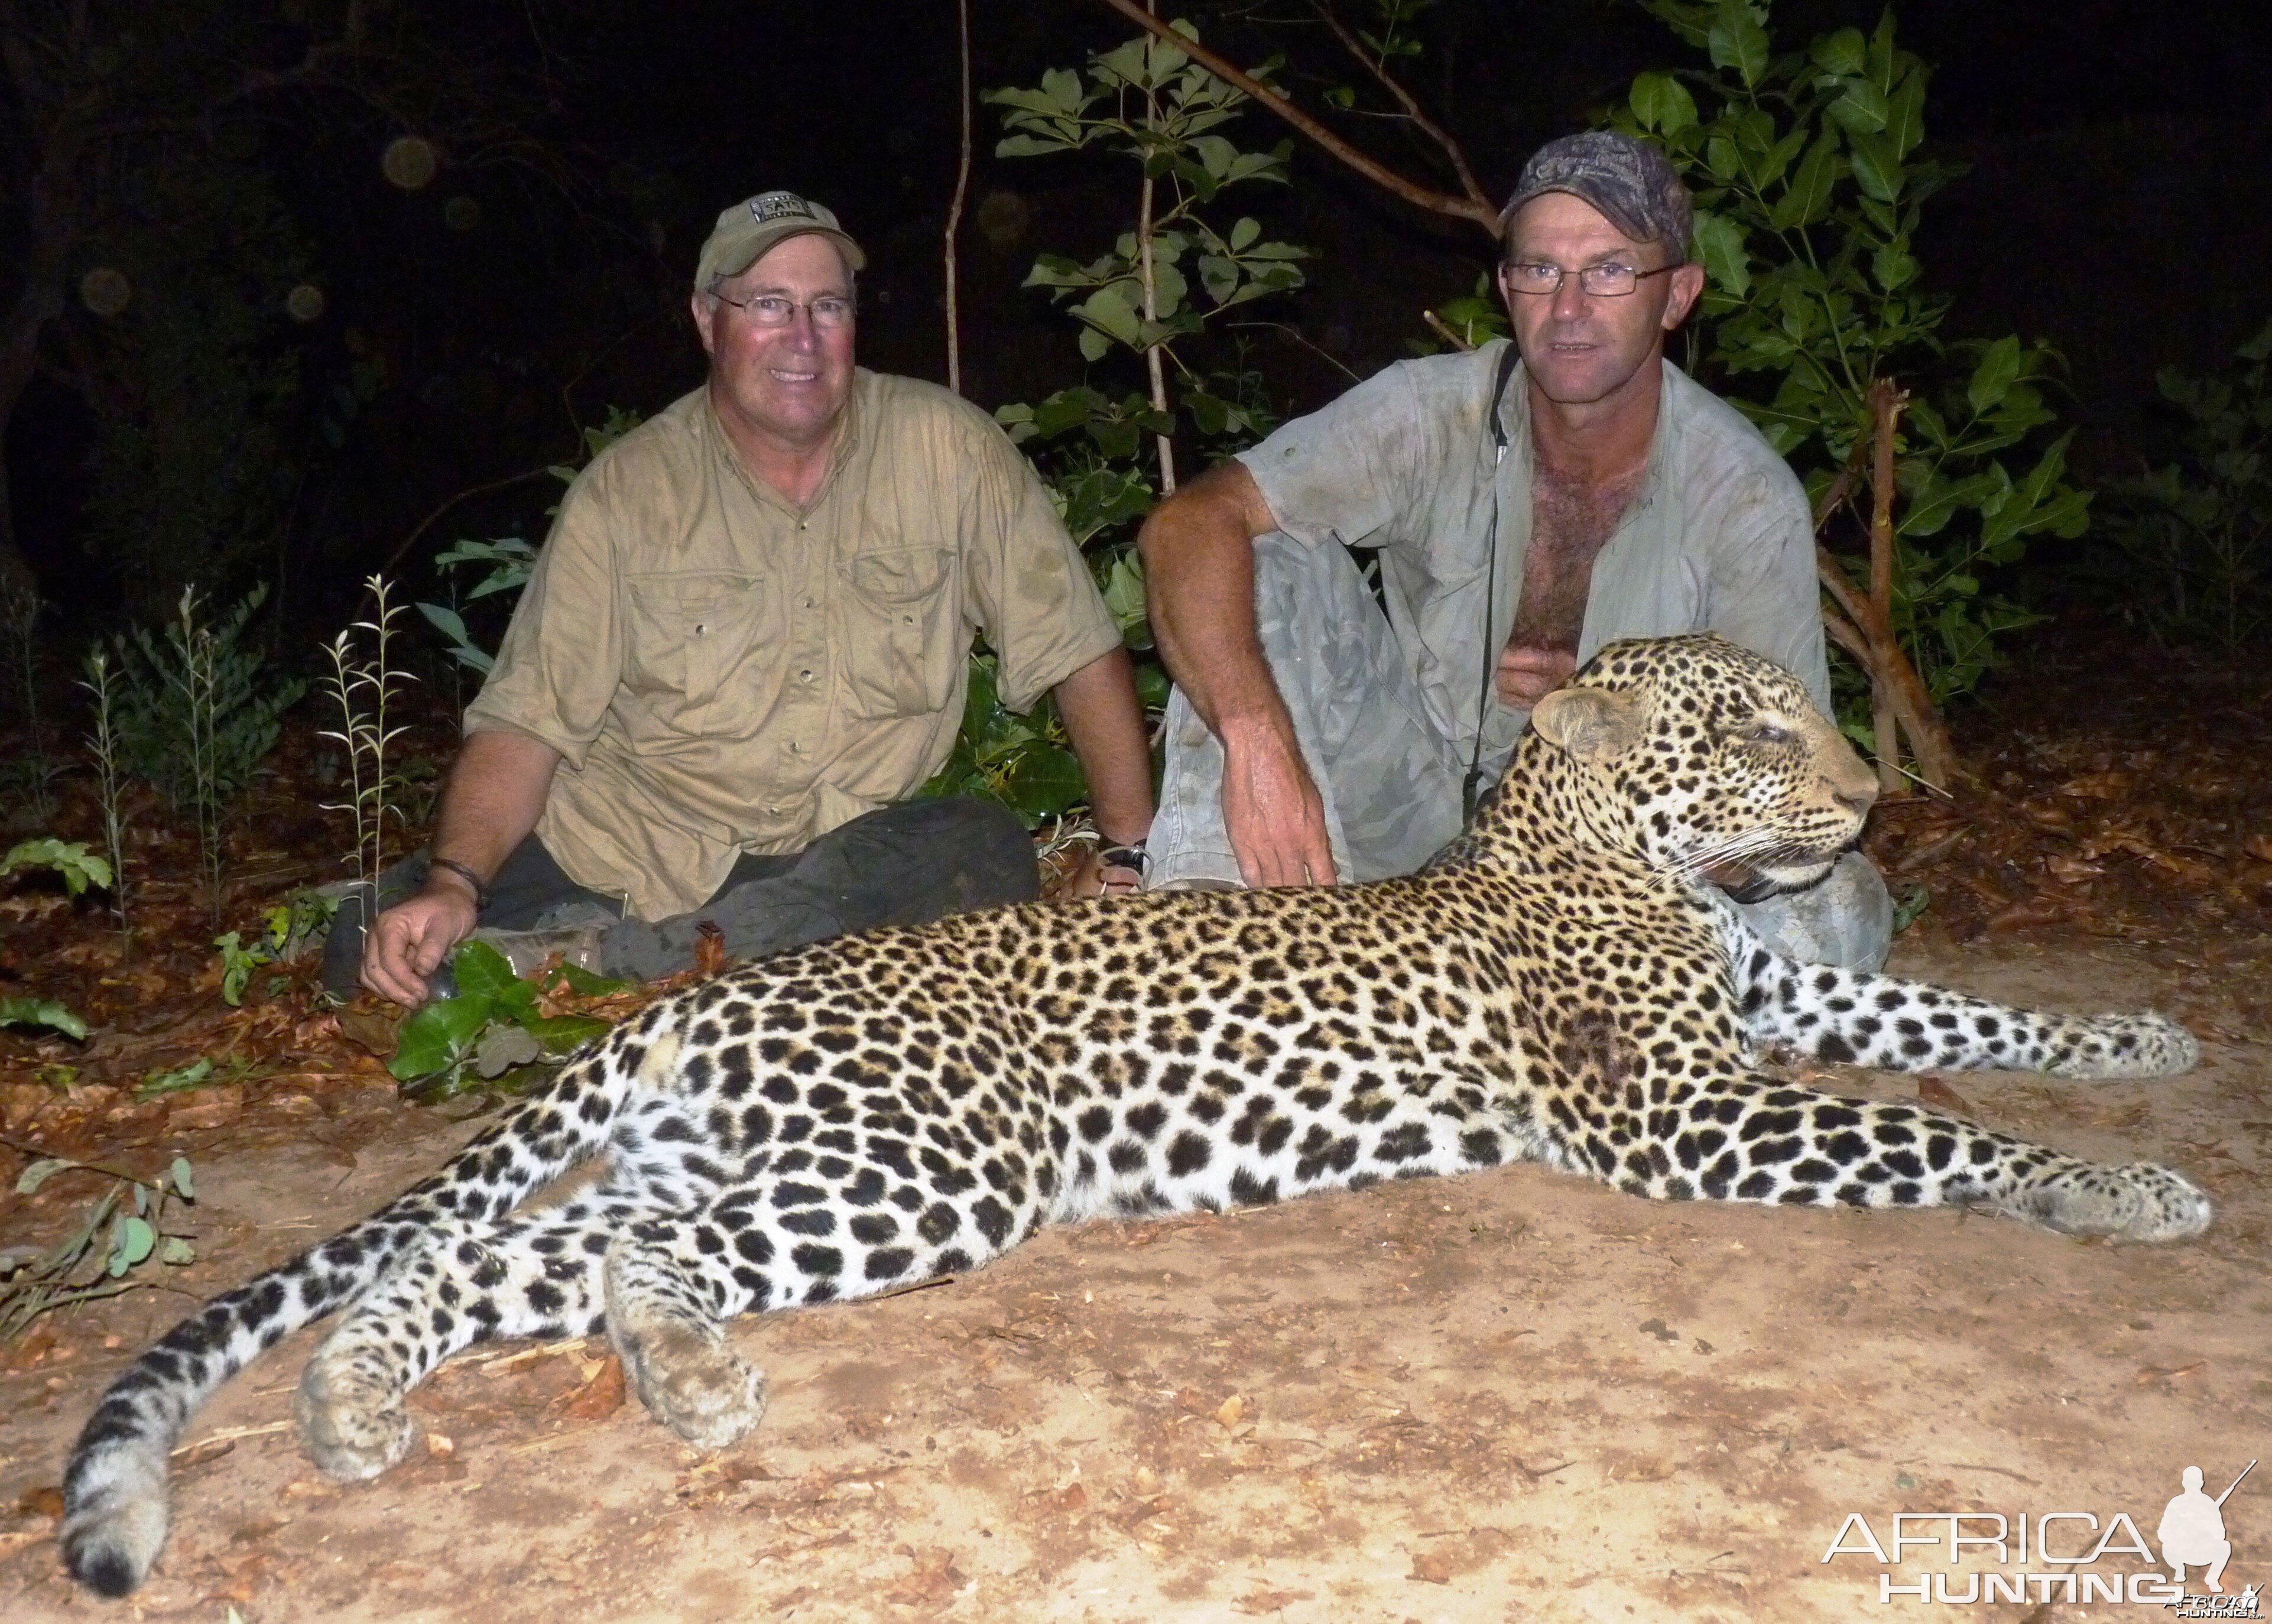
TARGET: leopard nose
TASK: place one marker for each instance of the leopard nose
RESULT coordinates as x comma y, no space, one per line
1857,799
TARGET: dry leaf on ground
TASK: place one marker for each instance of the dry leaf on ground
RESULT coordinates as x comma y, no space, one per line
1941,1096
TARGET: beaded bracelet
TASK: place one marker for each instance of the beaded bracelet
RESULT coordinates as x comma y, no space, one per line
481,891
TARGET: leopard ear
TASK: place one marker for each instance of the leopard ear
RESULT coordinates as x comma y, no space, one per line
1590,723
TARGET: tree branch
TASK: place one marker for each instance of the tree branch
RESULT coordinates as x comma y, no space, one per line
1479,213
955,208
1404,99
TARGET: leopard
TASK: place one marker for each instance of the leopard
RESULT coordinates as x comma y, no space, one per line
1567,983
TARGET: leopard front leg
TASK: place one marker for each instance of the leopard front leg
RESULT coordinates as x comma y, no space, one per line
1876,1020
1752,1139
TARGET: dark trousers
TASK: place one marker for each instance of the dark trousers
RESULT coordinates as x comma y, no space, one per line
904,864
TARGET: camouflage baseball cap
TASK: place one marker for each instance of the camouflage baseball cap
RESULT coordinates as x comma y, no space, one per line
1627,180
750,230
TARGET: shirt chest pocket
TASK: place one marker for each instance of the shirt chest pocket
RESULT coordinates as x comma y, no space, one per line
904,637
689,634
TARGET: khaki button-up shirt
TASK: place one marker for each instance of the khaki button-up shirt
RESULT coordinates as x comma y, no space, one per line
724,671
1719,538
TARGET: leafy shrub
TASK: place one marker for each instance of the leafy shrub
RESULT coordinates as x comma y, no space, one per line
2203,524
198,708
1810,189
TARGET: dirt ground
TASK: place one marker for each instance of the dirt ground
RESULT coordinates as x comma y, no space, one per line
1508,1396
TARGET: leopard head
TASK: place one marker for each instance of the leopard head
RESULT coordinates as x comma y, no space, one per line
1703,758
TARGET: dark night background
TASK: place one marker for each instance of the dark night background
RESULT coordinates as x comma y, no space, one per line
2117,207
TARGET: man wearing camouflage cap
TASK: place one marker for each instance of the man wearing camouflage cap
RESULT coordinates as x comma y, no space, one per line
742,649
1530,501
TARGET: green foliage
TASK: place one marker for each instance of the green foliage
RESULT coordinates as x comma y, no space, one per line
41,1012
1475,319
493,1028
1179,266
364,684
78,866
506,563
180,1080
2203,523
198,710
287,927
1149,102
1810,189
103,745
1147,310
1020,761
119,1232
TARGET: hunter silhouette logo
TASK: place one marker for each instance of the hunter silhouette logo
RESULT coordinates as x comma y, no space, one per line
2045,1556
2192,1530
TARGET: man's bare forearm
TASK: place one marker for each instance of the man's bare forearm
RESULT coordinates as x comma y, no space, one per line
1105,722
1197,548
495,796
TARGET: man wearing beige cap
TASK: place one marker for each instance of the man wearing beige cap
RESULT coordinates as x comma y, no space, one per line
1530,501
743,647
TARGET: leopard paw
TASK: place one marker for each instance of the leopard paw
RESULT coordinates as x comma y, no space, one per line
2146,1044
694,1384
2141,1202
351,1423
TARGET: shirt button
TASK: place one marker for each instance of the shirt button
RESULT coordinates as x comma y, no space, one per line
804,676
808,603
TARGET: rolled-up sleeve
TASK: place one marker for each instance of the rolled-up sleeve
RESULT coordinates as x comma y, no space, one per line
558,670
1345,471
1030,589
1763,592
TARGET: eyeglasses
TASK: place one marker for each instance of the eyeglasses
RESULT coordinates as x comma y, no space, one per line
829,312
1610,280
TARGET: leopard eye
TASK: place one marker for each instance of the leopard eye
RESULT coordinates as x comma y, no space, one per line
1768,732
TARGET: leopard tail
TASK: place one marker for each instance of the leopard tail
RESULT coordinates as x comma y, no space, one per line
114,1501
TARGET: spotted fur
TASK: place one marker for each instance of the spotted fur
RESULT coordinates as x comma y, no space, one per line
1560,986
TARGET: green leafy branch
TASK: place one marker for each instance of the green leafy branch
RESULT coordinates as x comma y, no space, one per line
108,1241
2202,522
1810,187
494,1027
1149,101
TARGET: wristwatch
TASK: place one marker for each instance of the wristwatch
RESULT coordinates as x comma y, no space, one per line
1131,857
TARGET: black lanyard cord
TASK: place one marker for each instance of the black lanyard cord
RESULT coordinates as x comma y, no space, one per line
1471,788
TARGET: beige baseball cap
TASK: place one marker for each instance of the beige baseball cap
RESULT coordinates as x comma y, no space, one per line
747,232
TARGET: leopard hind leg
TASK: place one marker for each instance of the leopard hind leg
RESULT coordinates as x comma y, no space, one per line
666,1307
535,1278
